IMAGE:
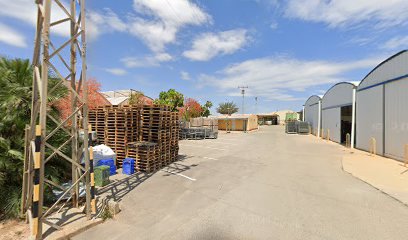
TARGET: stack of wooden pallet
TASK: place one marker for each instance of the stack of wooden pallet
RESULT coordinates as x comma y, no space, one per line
121,128
146,155
174,136
149,134
97,120
154,128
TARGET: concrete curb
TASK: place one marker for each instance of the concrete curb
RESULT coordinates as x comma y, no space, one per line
71,231
380,173
379,189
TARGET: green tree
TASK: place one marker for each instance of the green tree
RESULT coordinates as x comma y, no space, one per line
171,98
206,108
15,103
227,108
136,98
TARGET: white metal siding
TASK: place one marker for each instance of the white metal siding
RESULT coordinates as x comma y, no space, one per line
313,117
340,94
369,118
393,68
312,112
396,118
331,121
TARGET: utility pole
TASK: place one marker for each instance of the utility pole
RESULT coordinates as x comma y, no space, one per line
39,149
243,97
256,105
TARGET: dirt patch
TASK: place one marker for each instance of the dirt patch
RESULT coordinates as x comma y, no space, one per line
13,229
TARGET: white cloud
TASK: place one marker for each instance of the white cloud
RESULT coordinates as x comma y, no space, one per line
163,57
116,71
342,13
185,75
97,22
209,45
146,61
274,78
11,37
19,9
27,12
396,43
103,22
274,25
166,18
362,41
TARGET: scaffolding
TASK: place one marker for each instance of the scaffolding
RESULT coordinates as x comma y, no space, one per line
59,53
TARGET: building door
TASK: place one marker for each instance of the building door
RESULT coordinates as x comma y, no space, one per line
345,122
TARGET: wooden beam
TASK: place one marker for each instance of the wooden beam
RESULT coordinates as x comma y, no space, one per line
64,45
59,148
63,195
60,57
65,156
62,123
60,21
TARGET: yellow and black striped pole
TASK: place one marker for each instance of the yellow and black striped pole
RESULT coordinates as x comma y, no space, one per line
36,192
91,170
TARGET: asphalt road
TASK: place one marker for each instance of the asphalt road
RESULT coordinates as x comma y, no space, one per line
260,185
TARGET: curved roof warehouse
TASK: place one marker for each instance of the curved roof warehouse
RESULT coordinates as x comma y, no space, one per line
312,113
337,111
382,107
380,112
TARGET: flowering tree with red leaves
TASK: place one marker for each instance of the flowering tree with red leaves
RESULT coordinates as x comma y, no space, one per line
191,109
95,99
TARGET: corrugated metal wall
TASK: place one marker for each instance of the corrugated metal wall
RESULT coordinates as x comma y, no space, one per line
369,118
382,107
312,113
336,97
396,118
331,121
393,67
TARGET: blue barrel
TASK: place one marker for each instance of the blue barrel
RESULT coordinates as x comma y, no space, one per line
128,166
110,163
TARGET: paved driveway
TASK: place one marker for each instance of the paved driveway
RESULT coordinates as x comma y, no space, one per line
260,185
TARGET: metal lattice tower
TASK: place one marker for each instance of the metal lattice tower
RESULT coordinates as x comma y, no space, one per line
59,53
243,96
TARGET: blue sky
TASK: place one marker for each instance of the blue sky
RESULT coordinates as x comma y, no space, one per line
284,51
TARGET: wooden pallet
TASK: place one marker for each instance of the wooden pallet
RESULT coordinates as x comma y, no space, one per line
121,127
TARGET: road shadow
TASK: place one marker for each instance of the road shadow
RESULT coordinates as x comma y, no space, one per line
119,186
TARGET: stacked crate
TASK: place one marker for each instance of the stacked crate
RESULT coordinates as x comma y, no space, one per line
116,134
175,135
146,155
165,137
149,134
97,120
154,123
121,128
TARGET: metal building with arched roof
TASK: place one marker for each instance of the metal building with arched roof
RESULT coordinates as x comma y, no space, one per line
382,107
312,113
338,105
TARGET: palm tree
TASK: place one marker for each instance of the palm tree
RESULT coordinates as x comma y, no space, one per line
227,108
15,103
15,100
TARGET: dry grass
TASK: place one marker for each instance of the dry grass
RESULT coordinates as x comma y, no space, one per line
13,229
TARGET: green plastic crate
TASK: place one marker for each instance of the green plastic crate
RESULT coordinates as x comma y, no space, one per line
101,175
